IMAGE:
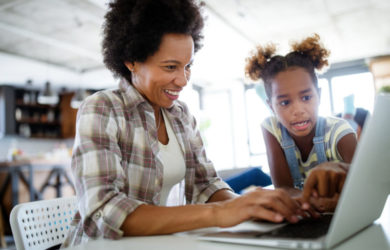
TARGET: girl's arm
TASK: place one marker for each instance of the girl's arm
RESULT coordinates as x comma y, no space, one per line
280,172
346,147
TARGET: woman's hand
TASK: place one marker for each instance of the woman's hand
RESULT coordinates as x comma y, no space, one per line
272,205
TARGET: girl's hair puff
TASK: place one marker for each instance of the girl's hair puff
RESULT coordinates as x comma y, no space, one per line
257,62
314,50
308,54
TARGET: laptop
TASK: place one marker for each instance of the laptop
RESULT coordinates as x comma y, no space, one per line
361,202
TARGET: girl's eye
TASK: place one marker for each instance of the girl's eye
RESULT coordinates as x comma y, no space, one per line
170,67
284,103
306,97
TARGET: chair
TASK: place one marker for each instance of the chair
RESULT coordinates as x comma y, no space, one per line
42,224
3,243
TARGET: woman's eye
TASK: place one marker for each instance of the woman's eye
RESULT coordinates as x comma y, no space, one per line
188,67
284,103
306,97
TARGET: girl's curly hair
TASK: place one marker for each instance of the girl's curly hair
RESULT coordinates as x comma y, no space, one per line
133,29
308,54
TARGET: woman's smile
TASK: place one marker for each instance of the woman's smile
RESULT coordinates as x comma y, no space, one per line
172,94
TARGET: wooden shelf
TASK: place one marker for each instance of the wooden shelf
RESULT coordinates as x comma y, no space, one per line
32,121
25,117
21,104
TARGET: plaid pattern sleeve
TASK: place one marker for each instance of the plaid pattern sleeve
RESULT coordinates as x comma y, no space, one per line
97,167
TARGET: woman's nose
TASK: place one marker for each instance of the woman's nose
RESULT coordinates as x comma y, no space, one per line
182,78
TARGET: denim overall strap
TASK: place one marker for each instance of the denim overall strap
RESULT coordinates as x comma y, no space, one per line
318,140
288,146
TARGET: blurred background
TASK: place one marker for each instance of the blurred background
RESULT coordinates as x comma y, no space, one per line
50,60
54,45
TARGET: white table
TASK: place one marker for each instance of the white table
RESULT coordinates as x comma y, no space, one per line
375,237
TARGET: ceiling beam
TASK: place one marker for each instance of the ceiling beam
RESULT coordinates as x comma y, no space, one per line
10,4
50,41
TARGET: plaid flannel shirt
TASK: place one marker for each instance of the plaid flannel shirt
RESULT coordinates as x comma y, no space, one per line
116,163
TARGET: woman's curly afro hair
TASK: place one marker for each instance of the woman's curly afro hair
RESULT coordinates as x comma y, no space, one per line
133,29
308,54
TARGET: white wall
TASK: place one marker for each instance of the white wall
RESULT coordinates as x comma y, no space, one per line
218,66
16,70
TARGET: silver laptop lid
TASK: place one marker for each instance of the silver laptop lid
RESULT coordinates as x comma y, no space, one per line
368,183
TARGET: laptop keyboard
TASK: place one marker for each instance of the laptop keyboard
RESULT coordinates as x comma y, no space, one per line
306,228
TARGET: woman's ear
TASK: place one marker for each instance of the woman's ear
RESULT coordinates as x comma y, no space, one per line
130,66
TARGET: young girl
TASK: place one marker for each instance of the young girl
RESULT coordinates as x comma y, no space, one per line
296,138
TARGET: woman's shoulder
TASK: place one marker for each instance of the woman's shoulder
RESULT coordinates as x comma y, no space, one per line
102,97
111,98
104,103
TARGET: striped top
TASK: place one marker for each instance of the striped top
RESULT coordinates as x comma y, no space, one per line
116,161
335,129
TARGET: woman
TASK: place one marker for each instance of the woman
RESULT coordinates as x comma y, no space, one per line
136,142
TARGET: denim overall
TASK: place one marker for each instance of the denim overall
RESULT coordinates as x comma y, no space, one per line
288,146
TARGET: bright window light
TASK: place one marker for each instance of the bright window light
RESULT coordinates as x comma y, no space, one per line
325,107
360,85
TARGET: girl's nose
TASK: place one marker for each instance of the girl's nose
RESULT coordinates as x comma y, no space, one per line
297,108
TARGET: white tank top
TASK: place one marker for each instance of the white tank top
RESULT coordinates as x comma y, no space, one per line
173,162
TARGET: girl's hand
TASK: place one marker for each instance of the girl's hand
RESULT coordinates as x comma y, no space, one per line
325,180
324,185
311,210
325,204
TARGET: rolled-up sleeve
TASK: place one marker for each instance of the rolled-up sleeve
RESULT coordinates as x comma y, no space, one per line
99,175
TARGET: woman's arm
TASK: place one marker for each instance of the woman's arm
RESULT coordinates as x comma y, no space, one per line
271,205
100,178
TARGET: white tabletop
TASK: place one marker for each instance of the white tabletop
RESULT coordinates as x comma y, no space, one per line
377,236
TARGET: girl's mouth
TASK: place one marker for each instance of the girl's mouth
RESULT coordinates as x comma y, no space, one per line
301,125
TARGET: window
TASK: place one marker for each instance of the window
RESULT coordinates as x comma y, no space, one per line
257,111
360,85
325,108
217,128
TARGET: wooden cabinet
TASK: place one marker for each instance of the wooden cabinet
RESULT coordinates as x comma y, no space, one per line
24,116
380,69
